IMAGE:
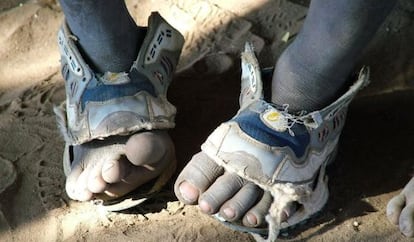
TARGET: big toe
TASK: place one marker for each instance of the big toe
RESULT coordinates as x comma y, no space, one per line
196,177
148,148
188,192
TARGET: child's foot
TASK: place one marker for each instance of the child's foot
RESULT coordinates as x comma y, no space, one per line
265,148
114,123
117,165
207,184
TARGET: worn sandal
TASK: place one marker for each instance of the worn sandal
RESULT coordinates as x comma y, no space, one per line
119,104
282,153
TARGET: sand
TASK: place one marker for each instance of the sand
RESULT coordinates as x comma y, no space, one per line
374,161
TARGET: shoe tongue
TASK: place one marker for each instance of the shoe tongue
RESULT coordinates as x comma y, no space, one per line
112,78
251,81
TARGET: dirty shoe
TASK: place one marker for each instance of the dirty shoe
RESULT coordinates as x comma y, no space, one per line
282,153
99,106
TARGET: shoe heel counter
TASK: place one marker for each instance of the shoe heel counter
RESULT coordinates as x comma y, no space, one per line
159,53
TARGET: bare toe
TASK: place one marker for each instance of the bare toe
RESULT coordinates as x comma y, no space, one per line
241,202
82,191
95,182
196,177
102,167
85,177
134,176
219,192
148,147
146,156
188,192
113,171
71,182
215,190
255,217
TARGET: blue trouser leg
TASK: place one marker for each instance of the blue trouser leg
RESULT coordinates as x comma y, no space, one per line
107,35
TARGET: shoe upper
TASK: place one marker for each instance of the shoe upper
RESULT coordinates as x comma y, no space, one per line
101,105
266,144
282,153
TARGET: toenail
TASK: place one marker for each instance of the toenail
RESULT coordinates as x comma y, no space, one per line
188,192
229,212
251,219
205,207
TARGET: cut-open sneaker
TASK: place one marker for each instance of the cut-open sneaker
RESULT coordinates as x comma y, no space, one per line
98,106
282,153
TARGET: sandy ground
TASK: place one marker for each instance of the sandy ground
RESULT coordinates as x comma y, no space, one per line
374,161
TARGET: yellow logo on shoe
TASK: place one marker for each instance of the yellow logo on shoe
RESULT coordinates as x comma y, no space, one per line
273,116
114,78
275,120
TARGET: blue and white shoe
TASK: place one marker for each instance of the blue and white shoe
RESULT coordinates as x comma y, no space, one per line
98,106
282,153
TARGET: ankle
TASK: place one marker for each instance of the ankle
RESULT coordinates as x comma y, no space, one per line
304,86
107,35
114,53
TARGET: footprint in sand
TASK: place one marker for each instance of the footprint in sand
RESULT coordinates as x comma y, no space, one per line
50,183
